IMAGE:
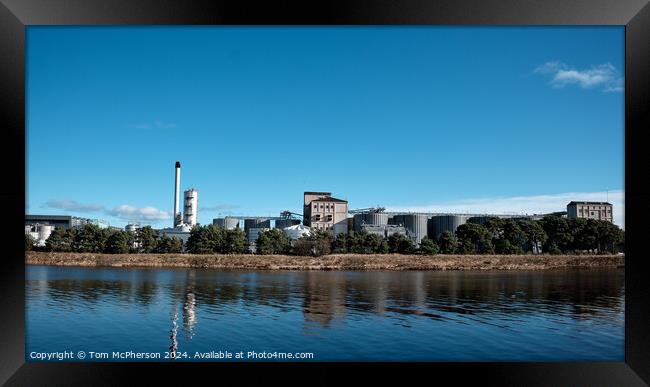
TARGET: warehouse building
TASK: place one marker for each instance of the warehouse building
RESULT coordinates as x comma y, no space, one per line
590,210
321,211
63,221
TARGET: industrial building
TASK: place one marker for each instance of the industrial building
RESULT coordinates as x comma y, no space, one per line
590,210
229,222
39,232
441,223
183,222
321,211
63,221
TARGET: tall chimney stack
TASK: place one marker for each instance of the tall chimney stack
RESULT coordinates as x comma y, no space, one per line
177,194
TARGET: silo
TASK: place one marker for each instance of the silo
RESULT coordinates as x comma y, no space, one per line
416,226
371,219
191,206
255,223
442,223
44,231
229,222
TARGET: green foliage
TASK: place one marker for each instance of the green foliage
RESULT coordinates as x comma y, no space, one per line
474,239
211,239
29,242
166,245
558,231
60,240
117,243
340,244
89,238
235,242
146,239
535,235
316,244
428,246
400,243
448,243
273,241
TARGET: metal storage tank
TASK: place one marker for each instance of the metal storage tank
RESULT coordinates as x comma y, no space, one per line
44,231
253,234
442,223
255,222
416,226
229,223
370,218
191,206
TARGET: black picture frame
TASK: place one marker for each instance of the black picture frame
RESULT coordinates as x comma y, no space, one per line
15,15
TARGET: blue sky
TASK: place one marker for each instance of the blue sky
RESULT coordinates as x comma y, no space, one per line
469,119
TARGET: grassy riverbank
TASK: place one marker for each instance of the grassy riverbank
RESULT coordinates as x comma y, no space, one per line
328,262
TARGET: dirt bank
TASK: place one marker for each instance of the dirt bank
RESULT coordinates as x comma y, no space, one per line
328,262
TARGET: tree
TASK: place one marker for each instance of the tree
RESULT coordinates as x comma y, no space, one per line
585,234
235,242
89,238
60,240
166,245
29,242
400,243
535,235
474,239
273,242
373,243
207,239
117,243
428,246
558,231
146,239
316,244
340,244
609,236
448,243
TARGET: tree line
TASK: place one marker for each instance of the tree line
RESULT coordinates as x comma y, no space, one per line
550,235
93,239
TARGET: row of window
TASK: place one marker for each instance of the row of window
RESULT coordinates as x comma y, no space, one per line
324,206
317,218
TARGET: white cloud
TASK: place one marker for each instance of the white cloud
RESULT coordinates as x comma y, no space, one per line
538,204
603,76
72,205
134,214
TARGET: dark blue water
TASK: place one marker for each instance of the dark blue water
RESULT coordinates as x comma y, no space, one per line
393,316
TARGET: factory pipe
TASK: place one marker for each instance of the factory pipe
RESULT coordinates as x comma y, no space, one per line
177,194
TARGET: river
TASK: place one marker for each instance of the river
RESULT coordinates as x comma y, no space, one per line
206,315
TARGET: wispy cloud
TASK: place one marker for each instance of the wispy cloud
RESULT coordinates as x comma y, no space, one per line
219,207
72,205
157,124
538,204
603,77
134,214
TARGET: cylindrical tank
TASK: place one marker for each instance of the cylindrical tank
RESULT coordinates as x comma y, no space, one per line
191,206
442,223
254,223
44,231
370,218
416,226
229,223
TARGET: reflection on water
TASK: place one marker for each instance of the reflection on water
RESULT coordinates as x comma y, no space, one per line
542,315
